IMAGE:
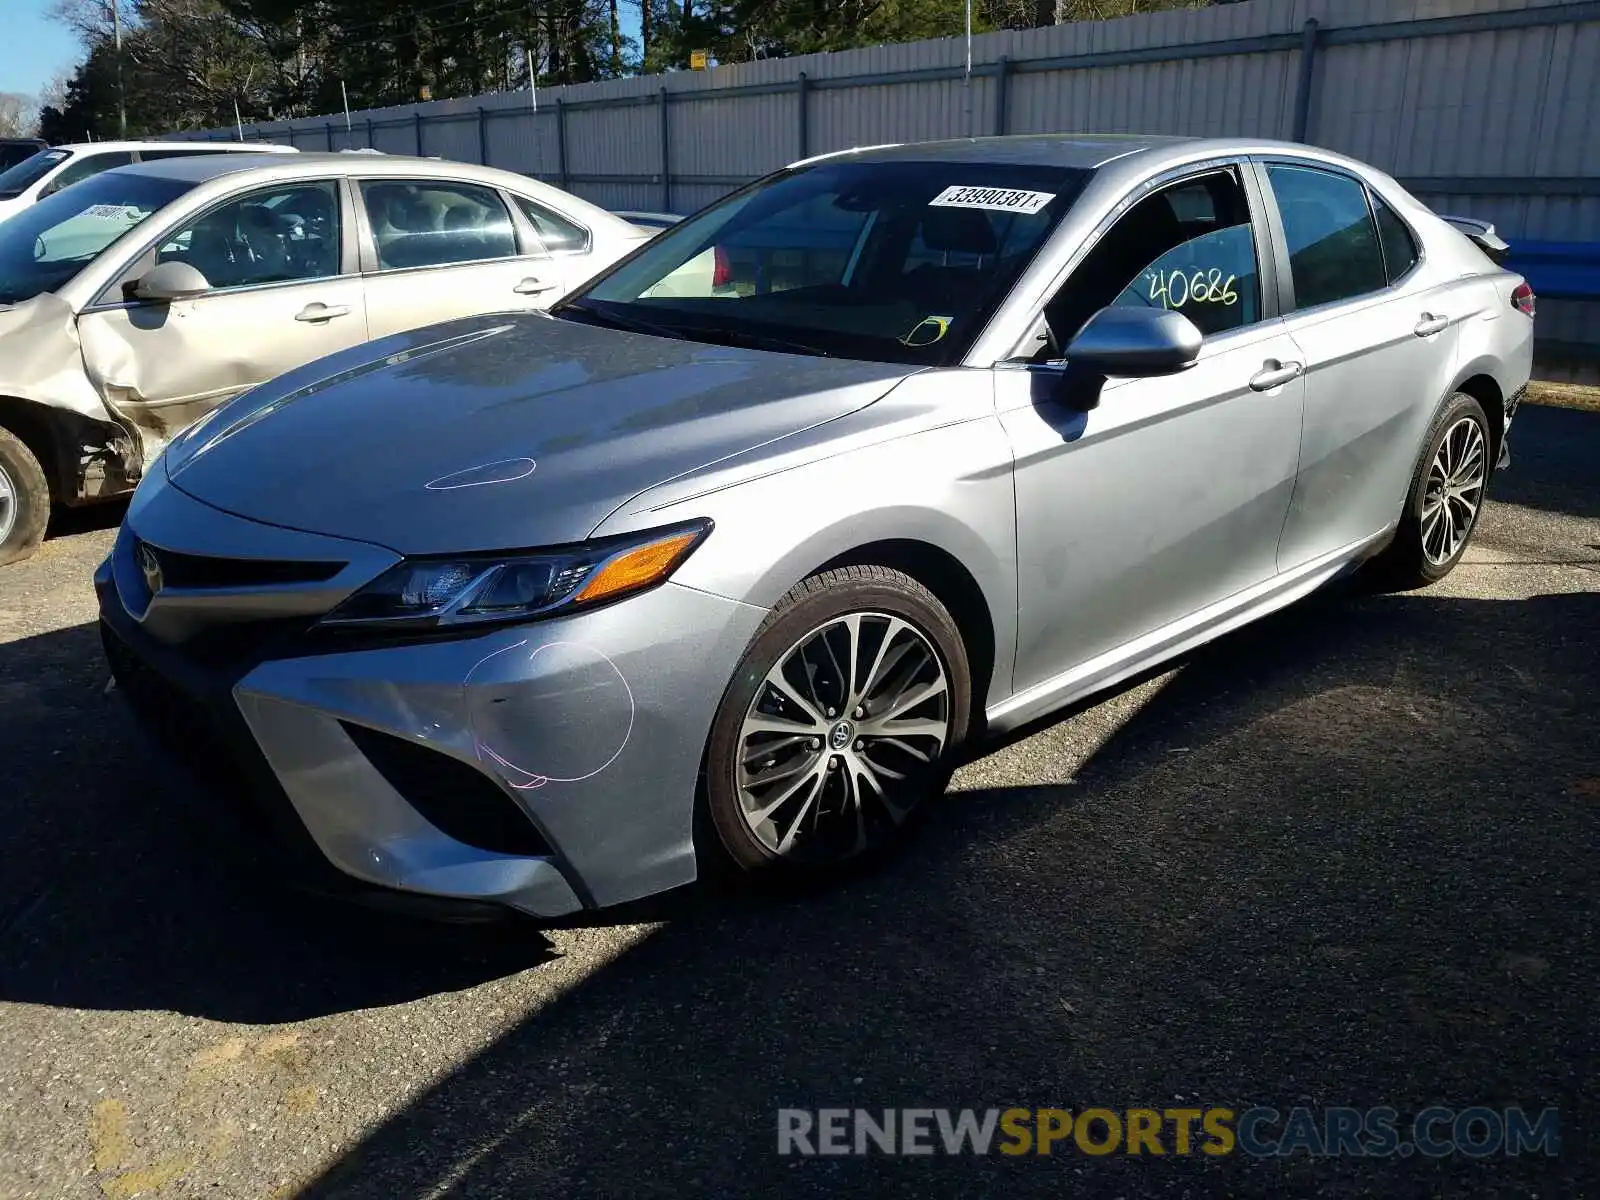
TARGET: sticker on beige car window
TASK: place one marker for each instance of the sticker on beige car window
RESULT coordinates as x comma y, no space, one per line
993,199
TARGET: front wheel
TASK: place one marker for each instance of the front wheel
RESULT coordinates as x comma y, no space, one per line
1445,501
841,721
24,500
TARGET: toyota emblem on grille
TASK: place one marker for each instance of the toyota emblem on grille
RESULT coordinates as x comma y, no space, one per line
150,565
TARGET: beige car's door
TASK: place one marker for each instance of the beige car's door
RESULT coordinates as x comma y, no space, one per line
436,249
283,292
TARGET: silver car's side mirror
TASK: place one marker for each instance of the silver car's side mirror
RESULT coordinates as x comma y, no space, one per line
1135,342
171,281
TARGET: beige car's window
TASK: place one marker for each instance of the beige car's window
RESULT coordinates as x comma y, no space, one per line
556,233
434,222
272,236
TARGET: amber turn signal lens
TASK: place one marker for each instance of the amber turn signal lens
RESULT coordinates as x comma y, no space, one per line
639,567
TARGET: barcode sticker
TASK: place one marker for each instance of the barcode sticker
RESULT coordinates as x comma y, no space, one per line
111,210
993,199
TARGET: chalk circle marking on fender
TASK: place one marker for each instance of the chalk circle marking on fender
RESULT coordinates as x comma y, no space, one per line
573,747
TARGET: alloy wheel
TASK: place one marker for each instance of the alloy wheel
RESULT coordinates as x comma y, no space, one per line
843,737
8,504
1454,490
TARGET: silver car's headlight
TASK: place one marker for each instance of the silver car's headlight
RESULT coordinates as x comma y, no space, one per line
474,589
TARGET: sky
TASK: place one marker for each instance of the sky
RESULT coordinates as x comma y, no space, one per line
33,48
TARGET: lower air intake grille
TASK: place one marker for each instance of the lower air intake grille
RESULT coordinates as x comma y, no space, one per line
458,800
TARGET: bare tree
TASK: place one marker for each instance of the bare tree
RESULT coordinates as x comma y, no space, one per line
19,116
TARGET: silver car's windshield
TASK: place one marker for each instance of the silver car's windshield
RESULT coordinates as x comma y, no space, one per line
895,261
48,243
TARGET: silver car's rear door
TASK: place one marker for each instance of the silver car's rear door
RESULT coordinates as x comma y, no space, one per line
1379,355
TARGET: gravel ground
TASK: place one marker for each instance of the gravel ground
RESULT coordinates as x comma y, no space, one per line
1343,857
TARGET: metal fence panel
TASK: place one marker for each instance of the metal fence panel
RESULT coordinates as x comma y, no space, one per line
1493,101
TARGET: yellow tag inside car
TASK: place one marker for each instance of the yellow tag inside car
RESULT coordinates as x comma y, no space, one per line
927,331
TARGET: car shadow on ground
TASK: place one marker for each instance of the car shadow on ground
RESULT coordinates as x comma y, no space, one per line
65,522
1341,857
1555,463
113,896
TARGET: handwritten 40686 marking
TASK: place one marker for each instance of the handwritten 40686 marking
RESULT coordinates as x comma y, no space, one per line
1198,287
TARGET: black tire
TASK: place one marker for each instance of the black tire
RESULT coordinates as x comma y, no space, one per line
29,494
1406,563
833,840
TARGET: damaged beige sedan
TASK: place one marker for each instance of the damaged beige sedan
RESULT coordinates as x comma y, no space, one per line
137,301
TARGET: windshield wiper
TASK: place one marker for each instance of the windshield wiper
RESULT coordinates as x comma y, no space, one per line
757,341
616,321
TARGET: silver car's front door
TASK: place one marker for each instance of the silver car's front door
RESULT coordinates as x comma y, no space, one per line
278,300
1379,337
1165,498
1169,494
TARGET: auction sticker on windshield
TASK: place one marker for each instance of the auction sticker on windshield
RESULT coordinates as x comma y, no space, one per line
994,199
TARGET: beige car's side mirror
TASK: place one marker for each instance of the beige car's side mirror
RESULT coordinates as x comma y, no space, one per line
171,281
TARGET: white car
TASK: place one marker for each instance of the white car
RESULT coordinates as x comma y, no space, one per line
135,302
55,167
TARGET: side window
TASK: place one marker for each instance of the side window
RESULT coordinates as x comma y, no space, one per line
271,236
84,165
1399,247
436,222
1189,247
1333,244
559,235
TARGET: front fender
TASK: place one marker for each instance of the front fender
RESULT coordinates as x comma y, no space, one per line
948,487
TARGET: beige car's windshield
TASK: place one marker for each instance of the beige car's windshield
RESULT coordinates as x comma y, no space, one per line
48,243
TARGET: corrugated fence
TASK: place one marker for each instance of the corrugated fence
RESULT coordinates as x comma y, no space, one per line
1486,107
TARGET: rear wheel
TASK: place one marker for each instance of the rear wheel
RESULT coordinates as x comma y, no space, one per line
24,500
1445,500
841,722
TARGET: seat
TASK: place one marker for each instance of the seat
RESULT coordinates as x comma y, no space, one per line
940,287
262,232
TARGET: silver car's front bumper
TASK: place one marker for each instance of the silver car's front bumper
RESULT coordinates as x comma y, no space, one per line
589,728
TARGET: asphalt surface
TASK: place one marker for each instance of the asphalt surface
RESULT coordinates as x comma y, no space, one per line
1344,857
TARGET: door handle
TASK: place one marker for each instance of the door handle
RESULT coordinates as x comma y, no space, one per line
321,312
533,286
1430,325
1275,374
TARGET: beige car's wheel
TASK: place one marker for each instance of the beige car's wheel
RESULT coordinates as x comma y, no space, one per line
24,500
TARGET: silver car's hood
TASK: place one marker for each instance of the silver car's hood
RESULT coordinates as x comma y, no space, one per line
500,431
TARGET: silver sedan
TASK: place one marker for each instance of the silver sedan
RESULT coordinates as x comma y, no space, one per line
722,563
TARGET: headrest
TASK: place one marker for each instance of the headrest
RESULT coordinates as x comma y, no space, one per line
958,231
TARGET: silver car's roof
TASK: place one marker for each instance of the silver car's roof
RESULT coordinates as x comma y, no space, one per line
1080,150
1132,153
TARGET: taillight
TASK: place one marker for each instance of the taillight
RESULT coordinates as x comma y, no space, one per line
722,269
1522,298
